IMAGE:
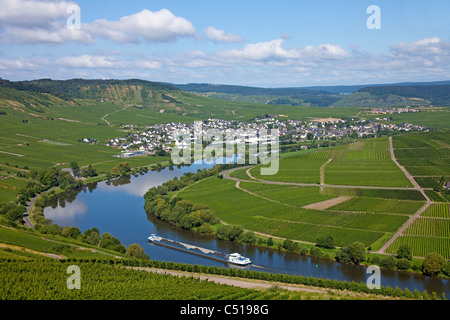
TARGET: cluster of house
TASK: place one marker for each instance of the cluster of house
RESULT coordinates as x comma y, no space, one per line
393,110
163,136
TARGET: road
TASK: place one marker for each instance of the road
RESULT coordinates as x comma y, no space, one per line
26,215
417,214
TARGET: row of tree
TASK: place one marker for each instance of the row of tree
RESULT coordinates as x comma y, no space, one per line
93,237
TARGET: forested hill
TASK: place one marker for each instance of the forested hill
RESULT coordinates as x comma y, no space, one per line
88,89
292,96
438,95
398,96
392,95
150,94
121,92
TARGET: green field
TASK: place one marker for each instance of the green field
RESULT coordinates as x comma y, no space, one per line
437,210
362,163
279,212
277,207
426,156
377,205
422,245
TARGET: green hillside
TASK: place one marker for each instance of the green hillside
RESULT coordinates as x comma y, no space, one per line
398,96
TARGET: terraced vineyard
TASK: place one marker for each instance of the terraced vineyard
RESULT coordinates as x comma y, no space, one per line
376,205
438,210
421,245
427,156
378,201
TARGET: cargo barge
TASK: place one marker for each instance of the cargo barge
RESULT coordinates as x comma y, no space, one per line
234,258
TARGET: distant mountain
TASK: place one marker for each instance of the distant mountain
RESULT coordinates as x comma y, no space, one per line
187,99
131,91
398,96
289,96
354,88
37,95
376,95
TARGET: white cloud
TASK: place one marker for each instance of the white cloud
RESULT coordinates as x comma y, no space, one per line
45,22
273,50
89,62
40,21
430,47
42,35
159,26
32,13
217,35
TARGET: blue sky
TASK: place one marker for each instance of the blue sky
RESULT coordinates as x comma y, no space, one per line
258,43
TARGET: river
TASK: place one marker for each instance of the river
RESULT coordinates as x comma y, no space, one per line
117,207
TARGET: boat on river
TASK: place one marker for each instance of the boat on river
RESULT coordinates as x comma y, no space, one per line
234,258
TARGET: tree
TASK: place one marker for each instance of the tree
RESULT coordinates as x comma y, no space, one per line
71,232
74,165
15,213
92,236
135,250
354,252
225,232
121,169
433,264
404,251
388,262
248,238
446,269
325,242
290,245
270,242
112,243
206,229
403,264
89,172
315,251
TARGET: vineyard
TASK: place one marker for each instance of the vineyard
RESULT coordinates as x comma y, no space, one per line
422,245
426,157
36,280
407,194
430,227
438,210
378,205
129,280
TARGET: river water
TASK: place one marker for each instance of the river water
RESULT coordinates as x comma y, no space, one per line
117,207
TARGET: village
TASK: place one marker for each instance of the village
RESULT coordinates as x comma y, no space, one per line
162,137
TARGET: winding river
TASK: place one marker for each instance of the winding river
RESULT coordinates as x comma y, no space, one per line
117,207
